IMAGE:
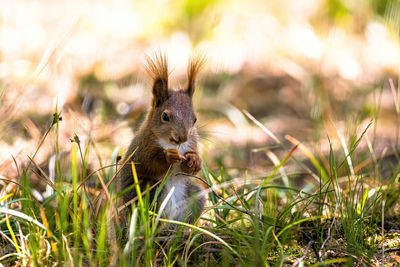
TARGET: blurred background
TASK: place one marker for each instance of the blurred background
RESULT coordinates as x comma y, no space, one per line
313,70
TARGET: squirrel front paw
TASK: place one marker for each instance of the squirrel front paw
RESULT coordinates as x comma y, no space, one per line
192,164
173,156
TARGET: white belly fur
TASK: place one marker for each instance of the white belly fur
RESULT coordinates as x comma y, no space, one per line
177,204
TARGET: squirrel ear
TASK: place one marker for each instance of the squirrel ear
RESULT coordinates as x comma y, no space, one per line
195,65
160,92
157,68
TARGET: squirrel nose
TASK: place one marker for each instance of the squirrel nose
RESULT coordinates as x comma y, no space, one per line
182,138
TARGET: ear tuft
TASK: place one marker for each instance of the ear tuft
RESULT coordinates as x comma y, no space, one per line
157,69
195,65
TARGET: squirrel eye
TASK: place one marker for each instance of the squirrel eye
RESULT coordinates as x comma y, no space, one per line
165,117
195,119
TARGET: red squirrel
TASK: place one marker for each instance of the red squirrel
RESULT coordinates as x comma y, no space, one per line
168,139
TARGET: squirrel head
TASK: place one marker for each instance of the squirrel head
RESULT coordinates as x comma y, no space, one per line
172,117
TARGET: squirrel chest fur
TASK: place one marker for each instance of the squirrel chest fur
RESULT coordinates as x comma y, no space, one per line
168,140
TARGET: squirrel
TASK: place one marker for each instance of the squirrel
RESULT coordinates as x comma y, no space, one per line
168,140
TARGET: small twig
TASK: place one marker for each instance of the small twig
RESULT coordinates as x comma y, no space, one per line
330,228
259,124
114,209
210,208
391,250
304,255
43,176
312,244
94,172
100,196
67,248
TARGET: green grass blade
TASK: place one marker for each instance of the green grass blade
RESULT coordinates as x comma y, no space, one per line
6,197
132,232
14,239
297,222
22,216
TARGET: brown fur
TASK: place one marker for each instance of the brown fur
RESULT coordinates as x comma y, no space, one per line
151,160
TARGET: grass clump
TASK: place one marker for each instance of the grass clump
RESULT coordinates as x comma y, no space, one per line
336,218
